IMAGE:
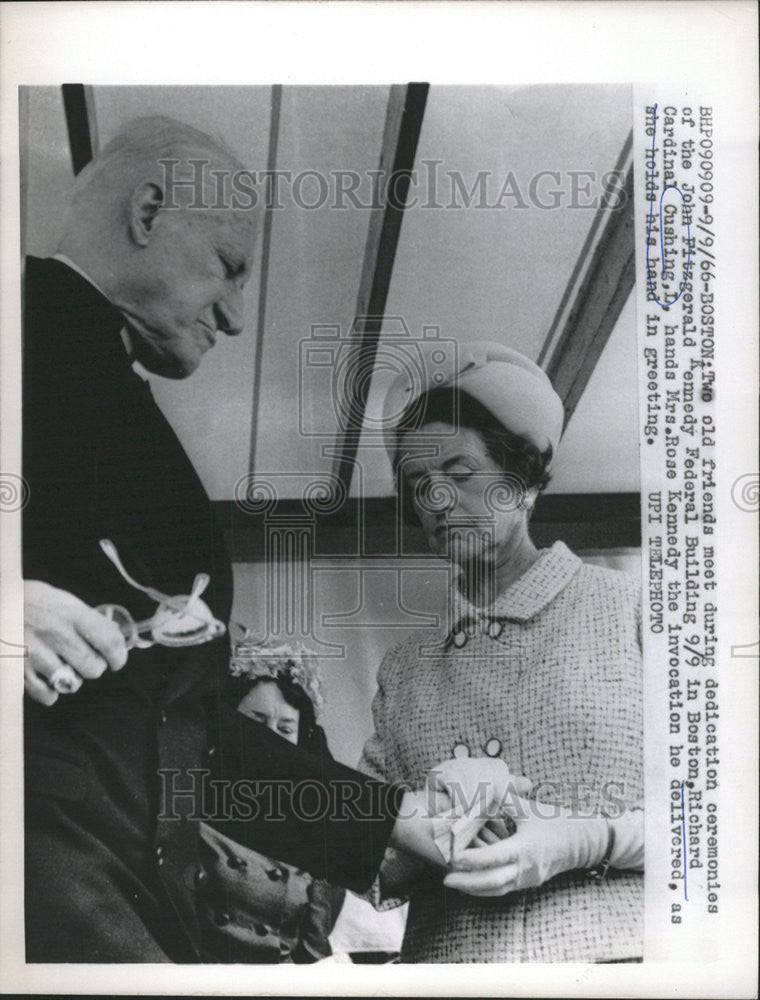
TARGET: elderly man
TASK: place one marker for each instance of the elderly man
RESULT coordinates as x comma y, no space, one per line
111,865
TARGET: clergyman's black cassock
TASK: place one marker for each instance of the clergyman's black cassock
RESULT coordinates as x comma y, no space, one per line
111,862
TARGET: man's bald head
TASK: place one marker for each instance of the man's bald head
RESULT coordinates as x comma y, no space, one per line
174,267
141,150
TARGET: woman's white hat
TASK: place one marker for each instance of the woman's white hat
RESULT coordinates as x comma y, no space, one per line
512,387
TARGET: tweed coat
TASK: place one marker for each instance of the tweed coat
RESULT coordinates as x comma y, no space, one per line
258,910
548,678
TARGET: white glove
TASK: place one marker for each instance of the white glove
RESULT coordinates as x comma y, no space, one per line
548,841
480,788
628,853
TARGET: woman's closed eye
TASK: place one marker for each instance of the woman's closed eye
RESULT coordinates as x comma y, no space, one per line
460,472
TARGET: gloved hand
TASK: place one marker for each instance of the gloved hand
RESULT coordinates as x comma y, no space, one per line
461,795
480,789
548,840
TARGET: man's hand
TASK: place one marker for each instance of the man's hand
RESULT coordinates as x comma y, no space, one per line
413,831
67,642
496,829
547,841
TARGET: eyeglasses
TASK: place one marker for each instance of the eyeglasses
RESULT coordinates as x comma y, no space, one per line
184,620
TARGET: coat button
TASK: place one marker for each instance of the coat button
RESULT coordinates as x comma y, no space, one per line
211,751
195,877
459,639
159,855
162,716
495,629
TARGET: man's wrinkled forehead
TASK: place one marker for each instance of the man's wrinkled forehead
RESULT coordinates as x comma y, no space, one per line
234,227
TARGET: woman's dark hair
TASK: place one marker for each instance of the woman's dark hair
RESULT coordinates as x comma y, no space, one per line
514,454
309,733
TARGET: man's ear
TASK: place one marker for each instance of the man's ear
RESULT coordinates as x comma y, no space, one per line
144,206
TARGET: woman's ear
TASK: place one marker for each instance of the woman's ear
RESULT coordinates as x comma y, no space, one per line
144,206
529,499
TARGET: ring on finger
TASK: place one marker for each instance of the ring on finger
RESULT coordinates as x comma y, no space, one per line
63,680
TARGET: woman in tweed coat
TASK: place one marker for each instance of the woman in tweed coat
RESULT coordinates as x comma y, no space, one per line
539,663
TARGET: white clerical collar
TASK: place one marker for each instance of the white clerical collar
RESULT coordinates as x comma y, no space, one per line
124,333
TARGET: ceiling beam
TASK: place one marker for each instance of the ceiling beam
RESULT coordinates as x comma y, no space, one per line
597,291
266,249
79,109
403,122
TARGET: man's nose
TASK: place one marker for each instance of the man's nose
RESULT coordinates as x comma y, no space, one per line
229,313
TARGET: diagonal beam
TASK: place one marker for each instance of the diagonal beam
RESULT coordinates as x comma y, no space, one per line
596,293
79,109
403,122
266,245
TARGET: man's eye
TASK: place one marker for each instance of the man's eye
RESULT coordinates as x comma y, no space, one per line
460,475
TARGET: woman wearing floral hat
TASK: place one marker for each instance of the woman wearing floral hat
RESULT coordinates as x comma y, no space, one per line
255,909
539,664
